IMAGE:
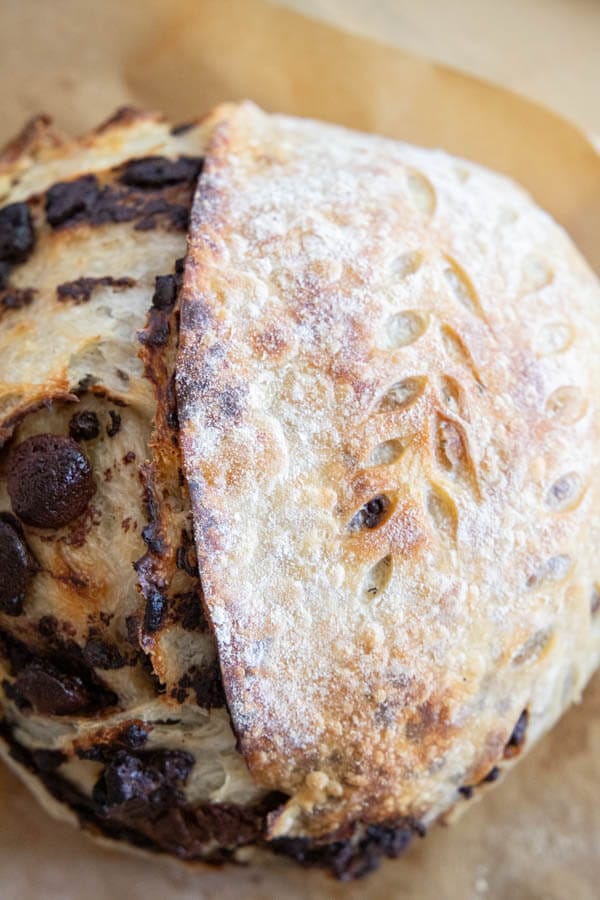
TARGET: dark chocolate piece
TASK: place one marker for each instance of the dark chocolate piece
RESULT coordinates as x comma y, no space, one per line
50,481
68,200
17,237
16,566
84,426
158,171
80,290
115,423
49,692
371,515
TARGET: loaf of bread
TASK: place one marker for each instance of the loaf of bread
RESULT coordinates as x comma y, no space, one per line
299,483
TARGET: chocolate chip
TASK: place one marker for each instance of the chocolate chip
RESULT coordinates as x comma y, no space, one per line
467,791
158,171
156,607
68,199
165,292
16,232
115,423
492,775
16,566
49,692
50,481
371,514
84,426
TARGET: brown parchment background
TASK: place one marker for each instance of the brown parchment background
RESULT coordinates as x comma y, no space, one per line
538,836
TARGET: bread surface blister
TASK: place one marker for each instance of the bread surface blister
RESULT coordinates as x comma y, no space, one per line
372,367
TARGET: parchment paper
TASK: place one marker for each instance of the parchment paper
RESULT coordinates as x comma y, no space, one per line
538,836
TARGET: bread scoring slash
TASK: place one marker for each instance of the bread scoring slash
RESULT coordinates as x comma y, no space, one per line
298,486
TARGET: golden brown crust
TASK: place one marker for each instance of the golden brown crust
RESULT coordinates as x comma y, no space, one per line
387,397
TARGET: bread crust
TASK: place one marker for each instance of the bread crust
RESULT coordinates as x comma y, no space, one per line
391,438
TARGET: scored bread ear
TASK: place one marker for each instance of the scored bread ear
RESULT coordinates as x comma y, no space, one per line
386,386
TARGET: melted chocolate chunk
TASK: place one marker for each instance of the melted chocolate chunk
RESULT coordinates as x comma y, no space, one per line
107,744
517,738
165,292
16,298
17,237
158,171
347,860
68,200
16,567
99,654
81,289
371,514
50,481
207,685
189,611
84,426
115,423
48,760
143,782
4,273
49,692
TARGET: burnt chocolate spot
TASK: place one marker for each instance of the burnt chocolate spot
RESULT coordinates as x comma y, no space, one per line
49,692
81,289
16,298
16,566
17,237
371,515
115,423
156,607
68,200
84,426
158,171
50,481
517,738
165,292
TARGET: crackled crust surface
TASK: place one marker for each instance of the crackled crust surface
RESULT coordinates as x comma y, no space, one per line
387,395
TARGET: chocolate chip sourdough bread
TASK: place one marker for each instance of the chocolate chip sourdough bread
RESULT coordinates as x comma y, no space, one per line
299,483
